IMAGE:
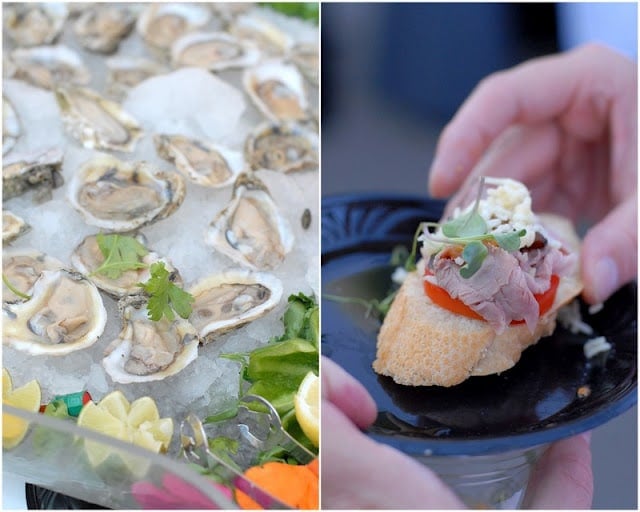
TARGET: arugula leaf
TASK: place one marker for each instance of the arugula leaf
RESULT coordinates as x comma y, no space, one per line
121,253
165,297
473,254
509,241
464,226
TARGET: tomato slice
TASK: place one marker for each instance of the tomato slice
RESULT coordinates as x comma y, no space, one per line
442,298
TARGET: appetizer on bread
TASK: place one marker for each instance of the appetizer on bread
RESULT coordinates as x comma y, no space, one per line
489,284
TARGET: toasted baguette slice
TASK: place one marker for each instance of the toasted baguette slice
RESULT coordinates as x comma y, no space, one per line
422,344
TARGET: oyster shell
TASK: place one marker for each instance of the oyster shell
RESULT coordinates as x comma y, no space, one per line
21,268
65,313
87,258
127,72
214,51
269,38
226,301
251,230
11,127
38,171
146,350
307,58
100,28
47,66
228,11
284,147
12,226
203,163
35,24
160,25
277,89
122,197
96,122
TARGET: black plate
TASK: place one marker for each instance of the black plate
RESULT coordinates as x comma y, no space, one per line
534,403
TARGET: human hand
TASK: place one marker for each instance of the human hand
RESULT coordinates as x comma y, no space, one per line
359,473
566,126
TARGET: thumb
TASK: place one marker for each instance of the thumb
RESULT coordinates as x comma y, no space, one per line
610,252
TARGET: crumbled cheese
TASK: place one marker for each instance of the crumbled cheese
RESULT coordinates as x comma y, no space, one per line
399,275
569,317
596,346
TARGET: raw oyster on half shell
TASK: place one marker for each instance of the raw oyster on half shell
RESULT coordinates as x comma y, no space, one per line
21,268
33,24
251,230
12,226
307,58
49,66
277,89
160,25
283,147
146,350
214,51
226,301
36,171
96,122
11,127
269,38
202,162
65,313
100,28
124,196
87,257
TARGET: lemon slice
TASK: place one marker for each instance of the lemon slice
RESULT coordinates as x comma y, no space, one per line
26,397
307,407
138,422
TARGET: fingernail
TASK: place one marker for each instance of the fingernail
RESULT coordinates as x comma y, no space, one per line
586,436
605,277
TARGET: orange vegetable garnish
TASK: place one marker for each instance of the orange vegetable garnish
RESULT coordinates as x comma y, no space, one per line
296,486
442,298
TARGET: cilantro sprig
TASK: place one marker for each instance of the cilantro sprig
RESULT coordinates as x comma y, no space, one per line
165,296
122,253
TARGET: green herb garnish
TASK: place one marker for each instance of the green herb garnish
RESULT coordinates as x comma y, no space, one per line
165,297
121,253
304,10
13,289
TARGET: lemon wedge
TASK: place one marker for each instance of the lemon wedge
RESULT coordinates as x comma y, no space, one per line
26,397
307,407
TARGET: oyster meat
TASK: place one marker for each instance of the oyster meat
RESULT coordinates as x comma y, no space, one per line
146,350
38,171
160,25
251,230
127,72
11,128
100,28
96,122
277,89
269,38
65,313
34,24
121,197
214,51
47,66
284,147
21,268
202,162
226,301
12,226
87,257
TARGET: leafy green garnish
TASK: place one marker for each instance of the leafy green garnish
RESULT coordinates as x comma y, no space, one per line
473,254
381,307
13,289
304,10
121,253
165,297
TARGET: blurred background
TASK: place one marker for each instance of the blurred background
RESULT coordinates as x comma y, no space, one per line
394,74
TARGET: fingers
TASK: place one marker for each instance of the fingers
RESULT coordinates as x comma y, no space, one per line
580,89
347,394
562,478
358,473
610,251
